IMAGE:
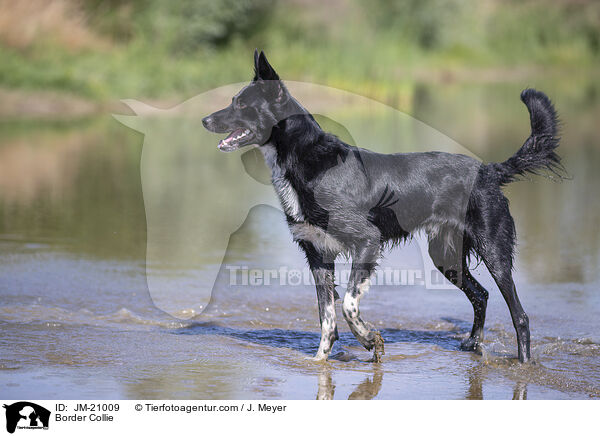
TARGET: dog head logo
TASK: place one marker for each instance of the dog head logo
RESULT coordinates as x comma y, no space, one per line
26,415
196,197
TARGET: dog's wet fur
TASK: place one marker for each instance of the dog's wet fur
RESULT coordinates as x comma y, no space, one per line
340,199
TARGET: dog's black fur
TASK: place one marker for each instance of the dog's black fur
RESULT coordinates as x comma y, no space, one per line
343,199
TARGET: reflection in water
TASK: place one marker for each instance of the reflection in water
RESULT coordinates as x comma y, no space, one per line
76,185
520,392
80,182
367,390
475,384
476,380
326,387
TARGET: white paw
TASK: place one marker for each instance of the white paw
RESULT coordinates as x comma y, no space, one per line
319,357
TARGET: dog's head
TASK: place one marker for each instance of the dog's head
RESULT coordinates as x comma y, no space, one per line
253,111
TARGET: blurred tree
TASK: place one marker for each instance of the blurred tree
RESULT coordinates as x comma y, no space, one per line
522,28
189,24
182,26
426,22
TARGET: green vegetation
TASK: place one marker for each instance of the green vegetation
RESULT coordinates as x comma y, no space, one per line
149,48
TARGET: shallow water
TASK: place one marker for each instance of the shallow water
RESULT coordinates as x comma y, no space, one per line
77,319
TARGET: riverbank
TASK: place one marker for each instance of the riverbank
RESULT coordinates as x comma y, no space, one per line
56,105
72,59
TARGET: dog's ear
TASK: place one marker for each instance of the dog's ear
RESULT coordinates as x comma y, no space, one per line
262,69
265,73
255,65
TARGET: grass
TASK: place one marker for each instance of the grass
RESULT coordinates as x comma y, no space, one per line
344,49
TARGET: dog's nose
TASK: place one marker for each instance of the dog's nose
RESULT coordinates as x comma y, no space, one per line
206,121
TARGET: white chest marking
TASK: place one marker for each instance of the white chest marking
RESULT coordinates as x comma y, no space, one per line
286,193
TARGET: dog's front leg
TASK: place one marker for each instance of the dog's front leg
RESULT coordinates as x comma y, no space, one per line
323,272
363,265
326,300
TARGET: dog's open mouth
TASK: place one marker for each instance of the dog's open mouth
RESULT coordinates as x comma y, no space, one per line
236,139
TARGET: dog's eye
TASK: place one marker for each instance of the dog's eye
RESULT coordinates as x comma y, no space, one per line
240,105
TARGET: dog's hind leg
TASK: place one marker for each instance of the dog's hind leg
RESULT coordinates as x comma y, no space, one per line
496,253
453,265
502,275
322,267
478,297
364,262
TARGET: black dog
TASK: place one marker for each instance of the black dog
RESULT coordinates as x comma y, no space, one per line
340,199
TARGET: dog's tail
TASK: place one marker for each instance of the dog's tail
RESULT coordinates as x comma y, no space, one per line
537,153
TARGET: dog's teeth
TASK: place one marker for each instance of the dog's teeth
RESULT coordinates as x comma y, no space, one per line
241,135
